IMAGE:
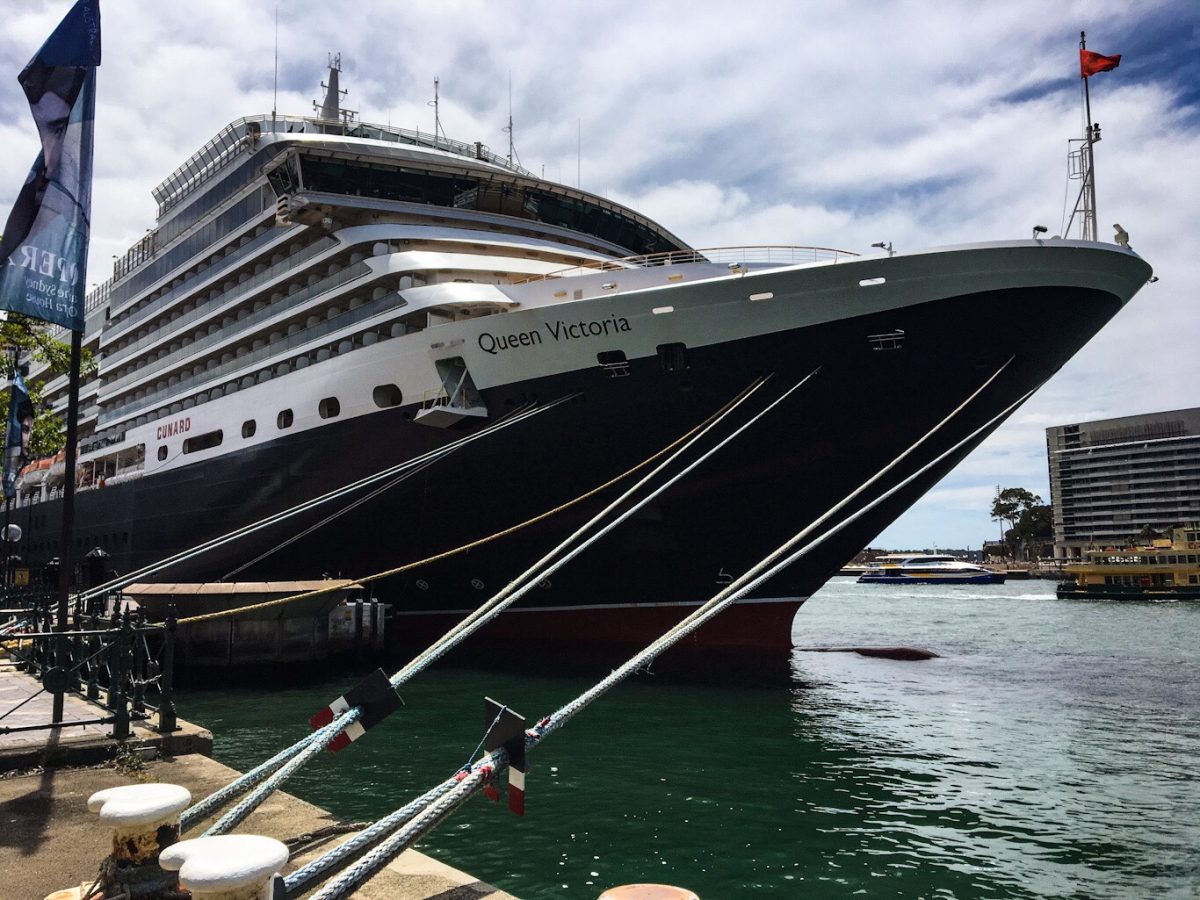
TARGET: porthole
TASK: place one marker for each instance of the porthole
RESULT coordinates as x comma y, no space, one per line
284,419
249,427
162,453
329,407
386,395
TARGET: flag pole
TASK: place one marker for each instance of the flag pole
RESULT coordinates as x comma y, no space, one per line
12,397
1089,212
66,558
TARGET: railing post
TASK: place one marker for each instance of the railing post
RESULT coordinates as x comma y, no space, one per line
119,673
166,705
77,654
94,643
137,665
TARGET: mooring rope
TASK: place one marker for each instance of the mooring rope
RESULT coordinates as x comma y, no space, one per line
463,548
438,803
306,748
349,507
275,518
259,773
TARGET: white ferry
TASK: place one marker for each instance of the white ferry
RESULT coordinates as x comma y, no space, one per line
922,568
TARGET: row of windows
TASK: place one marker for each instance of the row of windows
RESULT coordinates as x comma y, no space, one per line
1149,560
384,396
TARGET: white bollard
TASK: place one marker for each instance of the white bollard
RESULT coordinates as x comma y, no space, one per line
648,892
227,866
144,818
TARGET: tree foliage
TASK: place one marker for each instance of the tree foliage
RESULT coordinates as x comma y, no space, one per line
1033,531
33,340
1010,506
1010,503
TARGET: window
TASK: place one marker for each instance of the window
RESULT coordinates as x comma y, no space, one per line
203,441
284,420
386,395
248,428
162,453
329,407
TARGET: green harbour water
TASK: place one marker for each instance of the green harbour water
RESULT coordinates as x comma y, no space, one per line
1052,750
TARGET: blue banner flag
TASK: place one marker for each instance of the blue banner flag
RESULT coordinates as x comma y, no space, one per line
16,442
43,252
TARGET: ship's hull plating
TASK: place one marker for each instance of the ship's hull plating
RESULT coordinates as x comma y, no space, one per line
863,408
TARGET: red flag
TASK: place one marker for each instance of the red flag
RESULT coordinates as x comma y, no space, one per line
1090,63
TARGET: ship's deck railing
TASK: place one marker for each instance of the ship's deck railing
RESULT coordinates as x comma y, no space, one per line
241,291
247,361
238,136
762,254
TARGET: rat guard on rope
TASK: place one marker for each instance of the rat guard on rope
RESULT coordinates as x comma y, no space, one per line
378,700
505,728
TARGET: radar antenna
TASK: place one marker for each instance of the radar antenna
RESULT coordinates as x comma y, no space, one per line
512,151
438,133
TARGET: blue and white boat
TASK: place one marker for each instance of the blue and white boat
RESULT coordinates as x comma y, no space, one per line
920,568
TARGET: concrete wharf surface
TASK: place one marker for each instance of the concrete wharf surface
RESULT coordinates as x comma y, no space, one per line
49,840
74,744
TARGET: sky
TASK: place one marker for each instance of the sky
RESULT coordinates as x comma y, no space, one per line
825,124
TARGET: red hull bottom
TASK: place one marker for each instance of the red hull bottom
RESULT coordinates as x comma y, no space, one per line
611,633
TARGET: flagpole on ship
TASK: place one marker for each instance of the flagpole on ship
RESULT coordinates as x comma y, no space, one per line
1089,184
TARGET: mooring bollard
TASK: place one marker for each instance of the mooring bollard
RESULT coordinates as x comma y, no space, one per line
145,821
648,892
227,866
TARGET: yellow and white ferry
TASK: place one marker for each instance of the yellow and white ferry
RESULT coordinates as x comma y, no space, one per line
1168,569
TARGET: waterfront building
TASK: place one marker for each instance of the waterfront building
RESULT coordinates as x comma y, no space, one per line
1111,478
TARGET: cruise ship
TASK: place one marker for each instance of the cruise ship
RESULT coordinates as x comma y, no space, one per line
321,299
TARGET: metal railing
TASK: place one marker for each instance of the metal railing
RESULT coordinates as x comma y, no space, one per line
345,319
234,331
203,311
114,661
764,254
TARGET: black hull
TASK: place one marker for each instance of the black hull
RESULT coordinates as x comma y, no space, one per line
863,408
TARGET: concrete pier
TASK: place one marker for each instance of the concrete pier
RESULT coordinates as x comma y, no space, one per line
50,840
74,745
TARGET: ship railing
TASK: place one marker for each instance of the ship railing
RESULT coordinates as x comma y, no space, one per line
117,661
203,311
247,361
756,255
241,136
289,302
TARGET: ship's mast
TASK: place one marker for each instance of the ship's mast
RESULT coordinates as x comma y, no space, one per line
1086,206
330,109
437,115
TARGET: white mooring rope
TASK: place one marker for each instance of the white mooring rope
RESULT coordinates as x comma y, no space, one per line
437,803
291,759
